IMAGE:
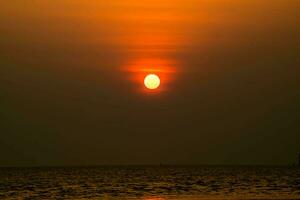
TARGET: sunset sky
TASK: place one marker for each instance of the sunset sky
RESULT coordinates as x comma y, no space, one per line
72,72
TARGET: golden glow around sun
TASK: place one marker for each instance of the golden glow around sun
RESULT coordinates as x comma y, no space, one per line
152,81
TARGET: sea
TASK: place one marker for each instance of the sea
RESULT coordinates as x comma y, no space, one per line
151,182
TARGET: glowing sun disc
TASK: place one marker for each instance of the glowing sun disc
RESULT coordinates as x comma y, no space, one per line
152,81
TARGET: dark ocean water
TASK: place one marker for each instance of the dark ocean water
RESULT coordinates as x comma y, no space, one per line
150,183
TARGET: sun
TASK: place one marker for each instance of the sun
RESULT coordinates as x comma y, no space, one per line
152,81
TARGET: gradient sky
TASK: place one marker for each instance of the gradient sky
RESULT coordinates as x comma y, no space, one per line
71,82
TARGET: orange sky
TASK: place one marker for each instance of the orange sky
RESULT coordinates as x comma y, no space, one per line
72,71
137,31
